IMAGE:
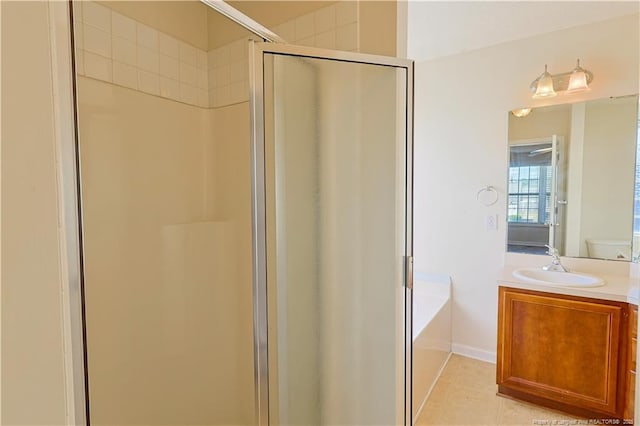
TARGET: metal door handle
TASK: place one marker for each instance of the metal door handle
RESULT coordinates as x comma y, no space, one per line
408,272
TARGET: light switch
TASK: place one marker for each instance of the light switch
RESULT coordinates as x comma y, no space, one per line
491,222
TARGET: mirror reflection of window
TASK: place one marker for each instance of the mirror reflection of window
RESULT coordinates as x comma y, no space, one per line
530,186
529,203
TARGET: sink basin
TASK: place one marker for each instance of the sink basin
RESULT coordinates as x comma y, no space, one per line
557,279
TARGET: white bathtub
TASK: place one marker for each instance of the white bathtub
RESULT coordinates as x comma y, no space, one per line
431,334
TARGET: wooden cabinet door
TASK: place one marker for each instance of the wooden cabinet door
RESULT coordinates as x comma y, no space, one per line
560,351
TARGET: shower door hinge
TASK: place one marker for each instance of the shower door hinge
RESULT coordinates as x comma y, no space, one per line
408,272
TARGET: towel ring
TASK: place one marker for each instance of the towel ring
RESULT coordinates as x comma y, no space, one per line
490,198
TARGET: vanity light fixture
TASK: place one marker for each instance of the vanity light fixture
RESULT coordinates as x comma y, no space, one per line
547,85
521,112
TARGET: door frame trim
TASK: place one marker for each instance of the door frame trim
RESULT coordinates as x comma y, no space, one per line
69,212
257,50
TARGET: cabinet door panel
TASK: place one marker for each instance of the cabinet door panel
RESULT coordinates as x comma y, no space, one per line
631,396
560,349
629,407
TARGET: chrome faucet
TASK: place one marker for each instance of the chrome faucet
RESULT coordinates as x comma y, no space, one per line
555,264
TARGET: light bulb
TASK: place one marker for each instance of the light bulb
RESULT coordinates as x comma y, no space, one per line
578,79
521,112
544,87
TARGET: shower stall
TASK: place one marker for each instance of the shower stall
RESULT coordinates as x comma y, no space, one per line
244,219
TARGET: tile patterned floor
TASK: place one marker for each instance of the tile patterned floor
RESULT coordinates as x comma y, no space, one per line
465,394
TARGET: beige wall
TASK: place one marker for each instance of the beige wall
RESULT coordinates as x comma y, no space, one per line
374,17
157,310
230,130
33,388
166,196
461,132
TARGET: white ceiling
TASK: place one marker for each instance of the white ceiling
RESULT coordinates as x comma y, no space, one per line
442,28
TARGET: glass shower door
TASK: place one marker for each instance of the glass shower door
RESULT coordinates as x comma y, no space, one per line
332,158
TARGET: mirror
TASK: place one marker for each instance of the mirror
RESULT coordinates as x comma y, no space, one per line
572,179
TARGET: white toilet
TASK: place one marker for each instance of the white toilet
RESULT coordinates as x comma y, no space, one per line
609,249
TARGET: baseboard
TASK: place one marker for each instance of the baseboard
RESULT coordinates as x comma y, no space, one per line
475,353
433,385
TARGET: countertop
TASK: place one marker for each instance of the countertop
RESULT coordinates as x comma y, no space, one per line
619,288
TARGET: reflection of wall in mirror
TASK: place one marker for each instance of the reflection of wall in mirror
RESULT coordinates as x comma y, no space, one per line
608,161
541,123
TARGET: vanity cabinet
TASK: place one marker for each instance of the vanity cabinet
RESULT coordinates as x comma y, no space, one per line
564,352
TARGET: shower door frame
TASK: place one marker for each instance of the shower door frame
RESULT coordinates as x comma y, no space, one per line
257,51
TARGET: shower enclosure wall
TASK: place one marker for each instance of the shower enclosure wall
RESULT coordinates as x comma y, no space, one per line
164,128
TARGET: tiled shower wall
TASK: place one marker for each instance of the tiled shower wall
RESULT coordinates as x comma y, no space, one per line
114,48
119,50
332,27
229,73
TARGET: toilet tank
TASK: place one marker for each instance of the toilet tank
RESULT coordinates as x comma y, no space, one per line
609,249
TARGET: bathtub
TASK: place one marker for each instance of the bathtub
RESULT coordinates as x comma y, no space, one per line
431,333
